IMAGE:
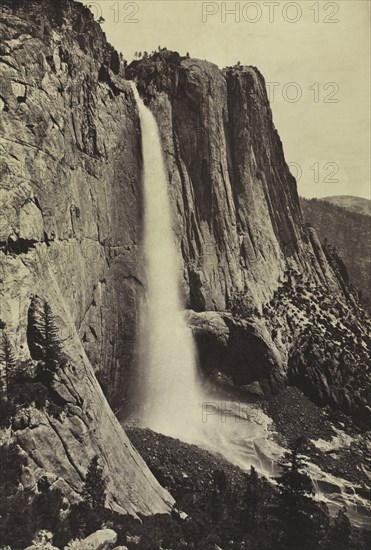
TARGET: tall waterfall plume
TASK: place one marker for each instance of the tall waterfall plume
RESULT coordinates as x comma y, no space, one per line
171,396
172,401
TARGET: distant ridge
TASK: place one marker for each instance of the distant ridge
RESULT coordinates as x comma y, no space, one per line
354,204
345,221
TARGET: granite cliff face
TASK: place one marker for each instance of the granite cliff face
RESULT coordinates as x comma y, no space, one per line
236,203
251,265
71,172
70,196
70,233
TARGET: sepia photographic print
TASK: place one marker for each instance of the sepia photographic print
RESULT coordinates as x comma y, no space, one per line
185,267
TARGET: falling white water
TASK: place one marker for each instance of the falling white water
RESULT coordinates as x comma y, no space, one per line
172,400
171,396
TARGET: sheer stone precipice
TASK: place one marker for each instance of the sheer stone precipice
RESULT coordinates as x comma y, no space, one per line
246,249
71,224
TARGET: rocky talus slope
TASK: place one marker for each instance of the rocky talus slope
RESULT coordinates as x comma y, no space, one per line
70,234
248,255
345,224
70,215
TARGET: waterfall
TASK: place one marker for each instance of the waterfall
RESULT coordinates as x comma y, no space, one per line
170,396
170,389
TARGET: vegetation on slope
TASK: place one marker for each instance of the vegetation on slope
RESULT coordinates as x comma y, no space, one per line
329,346
350,232
354,204
30,383
222,506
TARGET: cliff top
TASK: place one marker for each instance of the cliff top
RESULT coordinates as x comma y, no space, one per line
173,58
41,18
76,22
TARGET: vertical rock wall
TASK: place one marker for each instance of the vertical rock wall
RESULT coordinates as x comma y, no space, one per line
70,234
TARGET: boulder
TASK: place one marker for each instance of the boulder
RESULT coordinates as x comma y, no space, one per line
28,479
237,350
100,540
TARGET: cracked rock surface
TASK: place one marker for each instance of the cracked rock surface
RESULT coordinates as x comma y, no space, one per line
255,278
71,211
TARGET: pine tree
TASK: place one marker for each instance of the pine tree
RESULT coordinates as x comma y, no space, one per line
249,514
9,365
51,344
293,480
296,508
94,490
340,532
218,495
43,340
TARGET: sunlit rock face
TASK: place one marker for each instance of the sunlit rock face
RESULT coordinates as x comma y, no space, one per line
71,224
238,217
70,166
69,233
247,253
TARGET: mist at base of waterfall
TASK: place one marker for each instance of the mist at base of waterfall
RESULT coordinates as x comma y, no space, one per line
169,393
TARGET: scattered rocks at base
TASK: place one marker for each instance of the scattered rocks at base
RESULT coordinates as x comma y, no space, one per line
100,540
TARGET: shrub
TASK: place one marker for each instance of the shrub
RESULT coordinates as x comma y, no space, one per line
54,409
46,509
8,361
42,540
74,544
11,463
29,393
14,506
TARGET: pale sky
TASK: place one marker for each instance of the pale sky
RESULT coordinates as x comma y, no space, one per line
317,53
